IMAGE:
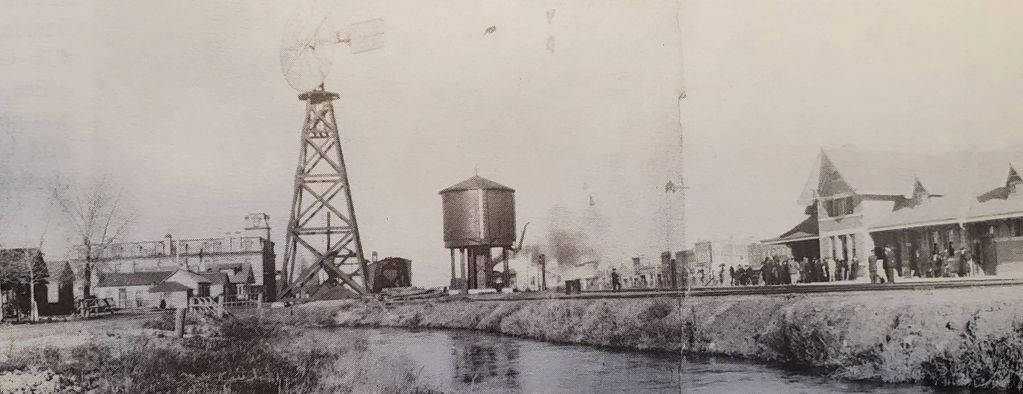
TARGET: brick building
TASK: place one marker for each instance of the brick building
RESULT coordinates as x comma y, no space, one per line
246,260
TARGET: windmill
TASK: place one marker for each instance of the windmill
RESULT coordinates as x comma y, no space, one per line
322,228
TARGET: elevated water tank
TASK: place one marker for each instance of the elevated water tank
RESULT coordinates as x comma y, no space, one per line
478,212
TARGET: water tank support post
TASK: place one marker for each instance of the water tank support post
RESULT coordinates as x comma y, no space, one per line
507,276
462,262
452,267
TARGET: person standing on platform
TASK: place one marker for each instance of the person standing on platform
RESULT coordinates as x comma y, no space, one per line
964,263
872,268
889,264
935,266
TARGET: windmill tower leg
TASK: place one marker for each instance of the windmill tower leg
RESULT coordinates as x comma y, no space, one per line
322,225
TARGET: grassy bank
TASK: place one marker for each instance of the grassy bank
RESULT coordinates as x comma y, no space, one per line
244,355
962,337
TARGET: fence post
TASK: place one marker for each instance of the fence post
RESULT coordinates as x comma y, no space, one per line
179,322
220,307
259,301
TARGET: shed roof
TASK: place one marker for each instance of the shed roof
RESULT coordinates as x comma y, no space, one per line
243,275
805,230
168,287
974,188
192,275
216,278
124,279
476,182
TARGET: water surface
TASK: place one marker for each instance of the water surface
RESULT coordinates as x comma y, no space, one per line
461,361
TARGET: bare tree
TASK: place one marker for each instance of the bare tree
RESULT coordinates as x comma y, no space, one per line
98,217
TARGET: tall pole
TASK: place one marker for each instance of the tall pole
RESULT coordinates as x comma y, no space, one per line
543,272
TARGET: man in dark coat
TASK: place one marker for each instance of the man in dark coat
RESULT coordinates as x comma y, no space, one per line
616,281
889,264
964,263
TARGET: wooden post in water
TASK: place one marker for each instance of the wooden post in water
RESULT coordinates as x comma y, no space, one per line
179,322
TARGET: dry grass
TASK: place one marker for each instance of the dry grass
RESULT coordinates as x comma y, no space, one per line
989,362
240,357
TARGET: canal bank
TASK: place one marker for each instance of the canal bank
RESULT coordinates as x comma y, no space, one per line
951,337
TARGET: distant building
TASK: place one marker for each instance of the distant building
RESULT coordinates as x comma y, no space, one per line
174,288
758,252
709,256
60,284
248,261
130,289
588,274
52,288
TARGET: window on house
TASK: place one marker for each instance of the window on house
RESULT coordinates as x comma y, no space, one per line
204,290
850,205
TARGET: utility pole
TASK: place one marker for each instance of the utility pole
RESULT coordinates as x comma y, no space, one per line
543,272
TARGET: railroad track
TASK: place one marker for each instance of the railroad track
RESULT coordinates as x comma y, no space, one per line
759,290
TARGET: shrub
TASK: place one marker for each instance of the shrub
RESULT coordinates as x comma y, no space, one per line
240,359
989,362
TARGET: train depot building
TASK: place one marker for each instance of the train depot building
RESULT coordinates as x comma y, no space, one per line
931,211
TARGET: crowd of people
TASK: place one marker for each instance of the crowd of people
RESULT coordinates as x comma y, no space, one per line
882,267
784,270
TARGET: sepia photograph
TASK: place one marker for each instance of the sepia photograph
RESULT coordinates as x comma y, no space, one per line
497,196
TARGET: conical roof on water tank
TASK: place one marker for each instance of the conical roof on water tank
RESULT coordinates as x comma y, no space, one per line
478,212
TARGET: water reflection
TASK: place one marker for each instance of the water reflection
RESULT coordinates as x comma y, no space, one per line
485,360
468,361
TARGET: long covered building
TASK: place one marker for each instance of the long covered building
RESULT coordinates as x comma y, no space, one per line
966,203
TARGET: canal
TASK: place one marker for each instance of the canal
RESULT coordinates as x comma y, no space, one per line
470,361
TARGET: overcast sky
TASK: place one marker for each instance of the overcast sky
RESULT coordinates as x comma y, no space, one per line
183,103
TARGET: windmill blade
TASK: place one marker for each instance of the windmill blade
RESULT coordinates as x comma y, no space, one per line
315,30
305,58
366,36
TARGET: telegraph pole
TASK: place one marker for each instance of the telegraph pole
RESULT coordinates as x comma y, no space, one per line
543,272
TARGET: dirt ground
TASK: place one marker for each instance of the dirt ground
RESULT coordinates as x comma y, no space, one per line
73,333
